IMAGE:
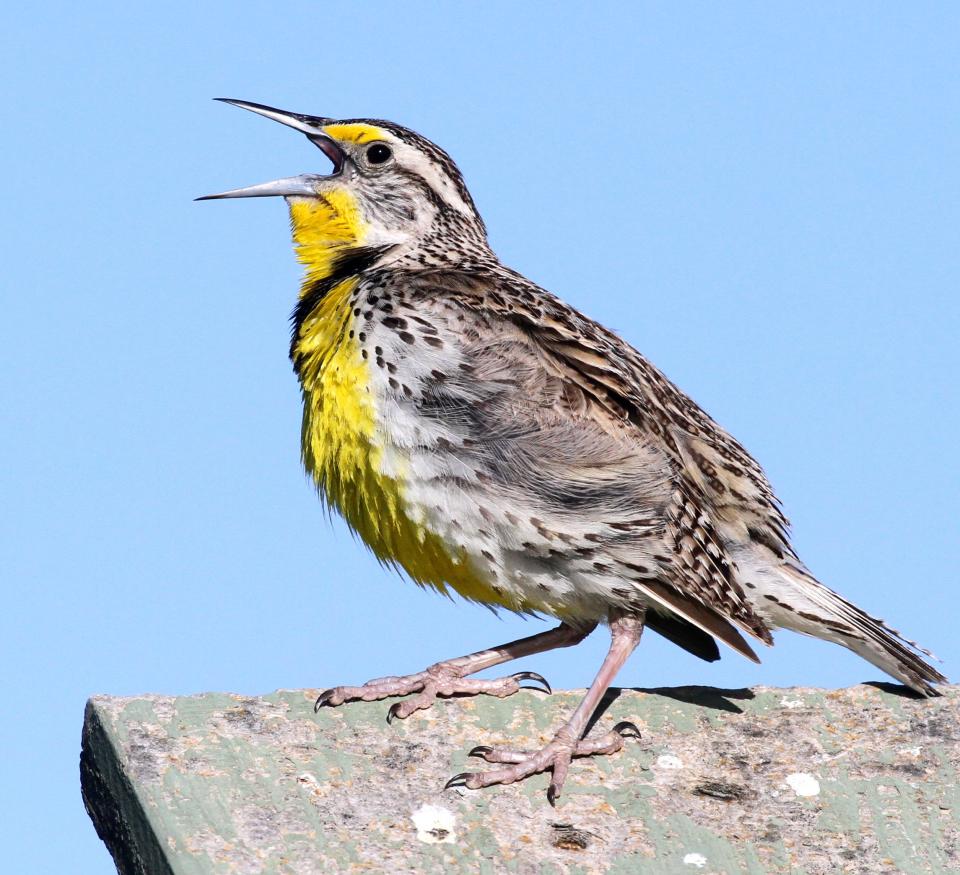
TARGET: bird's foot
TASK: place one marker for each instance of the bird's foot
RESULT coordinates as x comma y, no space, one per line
442,680
555,756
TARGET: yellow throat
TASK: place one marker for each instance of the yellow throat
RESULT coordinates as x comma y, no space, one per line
339,420
342,445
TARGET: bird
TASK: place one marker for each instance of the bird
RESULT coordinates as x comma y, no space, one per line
488,439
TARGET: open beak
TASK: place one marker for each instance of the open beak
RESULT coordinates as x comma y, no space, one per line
303,185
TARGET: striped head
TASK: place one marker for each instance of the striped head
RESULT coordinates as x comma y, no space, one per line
390,193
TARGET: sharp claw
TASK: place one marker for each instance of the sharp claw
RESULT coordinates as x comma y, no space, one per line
533,676
552,793
458,780
393,711
480,750
321,700
627,729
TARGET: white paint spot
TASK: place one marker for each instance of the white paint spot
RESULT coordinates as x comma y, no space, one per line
668,761
309,781
435,825
791,703
697,860
803,784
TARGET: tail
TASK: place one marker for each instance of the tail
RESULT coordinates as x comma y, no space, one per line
792,598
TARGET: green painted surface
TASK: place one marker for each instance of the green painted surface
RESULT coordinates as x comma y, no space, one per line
230,784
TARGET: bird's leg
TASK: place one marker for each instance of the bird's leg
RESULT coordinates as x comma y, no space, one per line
625,631
449,678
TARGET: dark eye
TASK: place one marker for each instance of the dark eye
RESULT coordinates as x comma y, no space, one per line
378,153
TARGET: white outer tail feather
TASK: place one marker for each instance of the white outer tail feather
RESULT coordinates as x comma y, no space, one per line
789,597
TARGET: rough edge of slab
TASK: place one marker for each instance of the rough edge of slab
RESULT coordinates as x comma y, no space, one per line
111,801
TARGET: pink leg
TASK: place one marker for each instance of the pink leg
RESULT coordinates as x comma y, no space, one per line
625,631
449,678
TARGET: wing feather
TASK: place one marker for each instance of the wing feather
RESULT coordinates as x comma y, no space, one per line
620,387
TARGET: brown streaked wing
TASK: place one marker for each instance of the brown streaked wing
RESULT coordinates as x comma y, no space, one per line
623,386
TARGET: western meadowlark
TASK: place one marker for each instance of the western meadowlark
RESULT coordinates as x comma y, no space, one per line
485,437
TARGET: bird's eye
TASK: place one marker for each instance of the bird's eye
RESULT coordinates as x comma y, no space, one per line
378,153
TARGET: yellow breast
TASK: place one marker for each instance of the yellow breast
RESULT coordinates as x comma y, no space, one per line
343,447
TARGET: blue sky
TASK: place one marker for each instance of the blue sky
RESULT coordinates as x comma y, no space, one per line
763,198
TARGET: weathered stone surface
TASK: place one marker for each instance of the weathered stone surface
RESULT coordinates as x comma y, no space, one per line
722,781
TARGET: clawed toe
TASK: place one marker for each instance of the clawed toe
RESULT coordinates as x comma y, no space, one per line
555,757
439,681
322,699
627,729
499,754
381,688
458,780
533,676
